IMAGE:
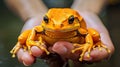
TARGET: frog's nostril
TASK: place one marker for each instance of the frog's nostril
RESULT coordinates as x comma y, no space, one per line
53,25
61,25
58,27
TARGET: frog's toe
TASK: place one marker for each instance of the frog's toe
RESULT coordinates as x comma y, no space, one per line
108,50
82,55
44,49
29,50
88,55
77,49
101,45
15,49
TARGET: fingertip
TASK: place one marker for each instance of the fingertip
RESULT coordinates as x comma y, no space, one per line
37,52
107,42
98,55
27,59
62,47
20,54
59,48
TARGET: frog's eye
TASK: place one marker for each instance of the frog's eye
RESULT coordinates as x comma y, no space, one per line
46,19
71,19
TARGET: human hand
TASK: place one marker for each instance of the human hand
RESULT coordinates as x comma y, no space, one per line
64,48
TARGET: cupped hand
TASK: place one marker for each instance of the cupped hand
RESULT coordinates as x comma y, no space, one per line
64,48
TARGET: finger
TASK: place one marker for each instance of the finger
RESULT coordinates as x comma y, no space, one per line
20,54
62,48
98,55
37,52
107,42
27,59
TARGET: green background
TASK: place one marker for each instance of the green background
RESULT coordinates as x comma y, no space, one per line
11,25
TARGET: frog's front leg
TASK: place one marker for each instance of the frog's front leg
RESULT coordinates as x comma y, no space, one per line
31,39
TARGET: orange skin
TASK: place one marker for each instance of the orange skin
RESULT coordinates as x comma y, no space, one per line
60,24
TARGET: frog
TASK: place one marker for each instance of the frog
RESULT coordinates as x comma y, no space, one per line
61,24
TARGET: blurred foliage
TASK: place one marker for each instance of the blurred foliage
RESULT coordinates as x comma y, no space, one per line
113,2
58,3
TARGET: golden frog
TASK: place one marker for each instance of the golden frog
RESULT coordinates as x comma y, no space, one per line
60,24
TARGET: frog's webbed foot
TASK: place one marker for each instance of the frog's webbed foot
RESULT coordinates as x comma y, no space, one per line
77,47
100,45
39,45
84,48
87,47
42,45
27,47
15,49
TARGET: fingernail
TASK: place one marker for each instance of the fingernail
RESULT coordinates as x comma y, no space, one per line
60,49
25,64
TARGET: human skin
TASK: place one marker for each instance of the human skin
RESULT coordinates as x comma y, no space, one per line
34,18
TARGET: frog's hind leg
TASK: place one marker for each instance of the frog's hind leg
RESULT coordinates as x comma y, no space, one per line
96,37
